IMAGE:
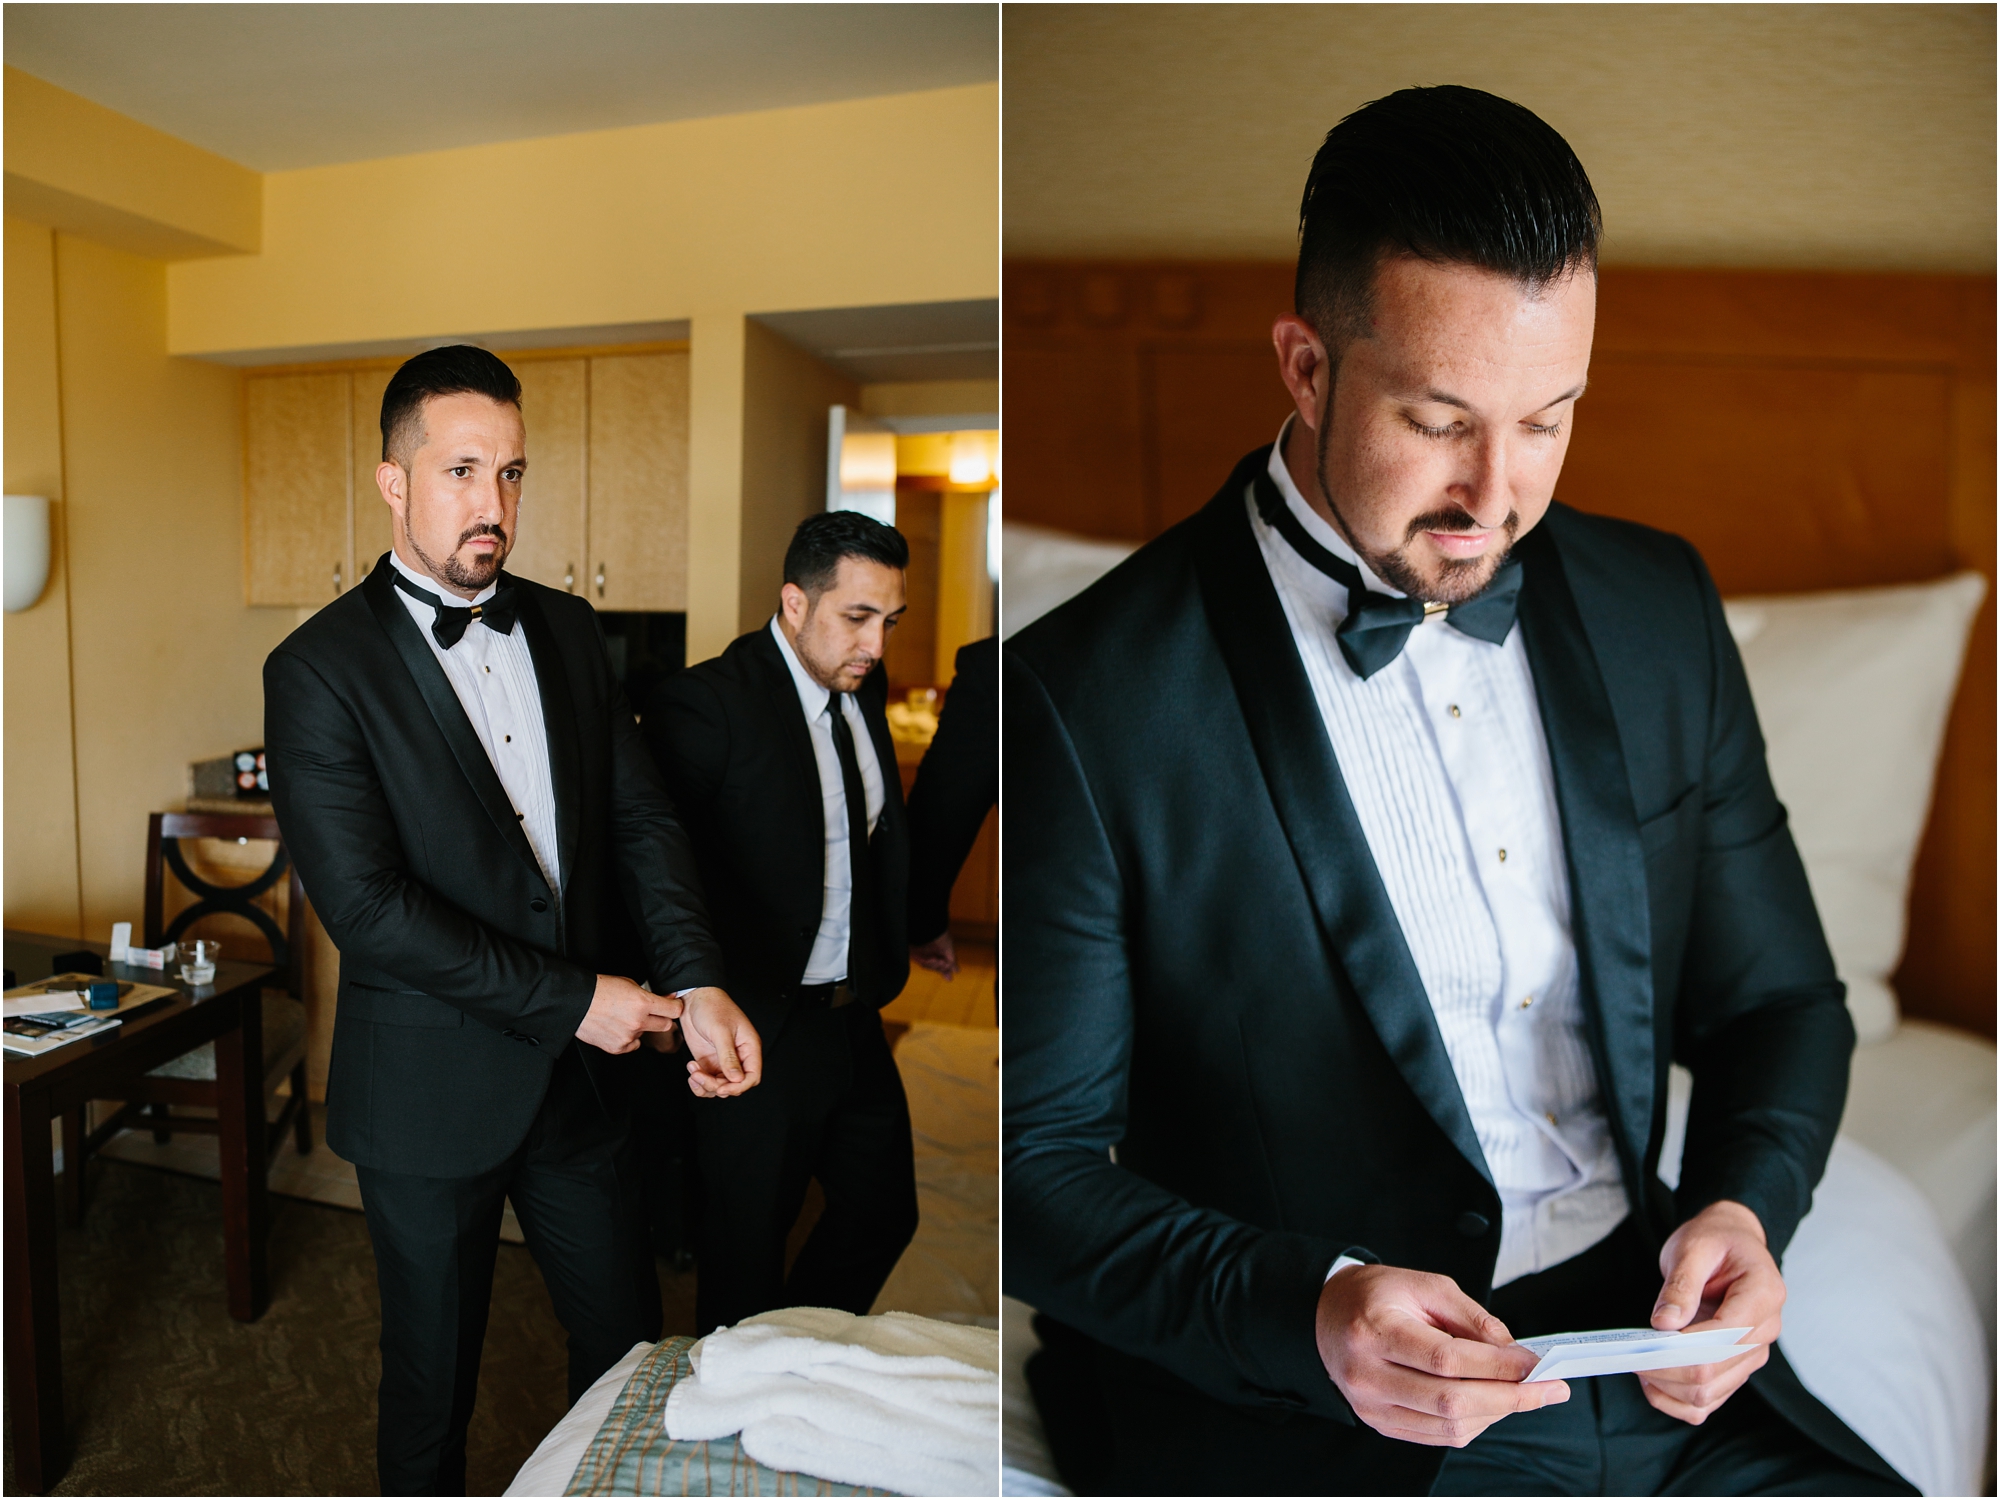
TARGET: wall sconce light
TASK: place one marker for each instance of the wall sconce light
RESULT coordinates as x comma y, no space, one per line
24,550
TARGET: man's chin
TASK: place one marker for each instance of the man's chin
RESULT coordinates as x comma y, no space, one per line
1449,580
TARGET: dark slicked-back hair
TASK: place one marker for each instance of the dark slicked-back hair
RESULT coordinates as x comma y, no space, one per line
456,370
1446,174
813,559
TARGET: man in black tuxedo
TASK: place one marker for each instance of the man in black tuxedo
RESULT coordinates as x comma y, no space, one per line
479,827
956,787
1394,830
778,757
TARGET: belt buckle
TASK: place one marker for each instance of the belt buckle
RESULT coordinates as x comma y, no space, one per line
843,994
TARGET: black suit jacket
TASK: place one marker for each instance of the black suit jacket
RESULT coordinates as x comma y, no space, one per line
956,786
733,746
463,976
1205,973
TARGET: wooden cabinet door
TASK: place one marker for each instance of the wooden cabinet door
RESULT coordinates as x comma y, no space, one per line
374,522
549,535
638,481
296,488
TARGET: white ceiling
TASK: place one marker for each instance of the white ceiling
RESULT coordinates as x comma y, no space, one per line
276,87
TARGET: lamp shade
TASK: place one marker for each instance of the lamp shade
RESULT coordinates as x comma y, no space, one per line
24,550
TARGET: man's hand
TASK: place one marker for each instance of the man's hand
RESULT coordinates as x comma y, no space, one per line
621,1013
727,1054
938,955
1419,1360
1719,1274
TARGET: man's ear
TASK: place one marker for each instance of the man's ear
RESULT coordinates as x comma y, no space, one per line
393,480
1303,365
794,605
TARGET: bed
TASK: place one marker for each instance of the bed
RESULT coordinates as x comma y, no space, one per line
1891,1314
612,1442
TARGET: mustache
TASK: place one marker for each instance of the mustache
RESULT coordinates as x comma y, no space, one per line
1456,520
498,533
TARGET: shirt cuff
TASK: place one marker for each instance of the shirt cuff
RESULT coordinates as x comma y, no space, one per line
1353,1255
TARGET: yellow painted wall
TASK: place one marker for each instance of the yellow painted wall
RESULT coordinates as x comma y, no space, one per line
786,393
167,657
42,893
930,398
84,168
1828,136
765,212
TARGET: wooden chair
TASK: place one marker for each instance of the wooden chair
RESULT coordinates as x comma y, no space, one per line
189,1080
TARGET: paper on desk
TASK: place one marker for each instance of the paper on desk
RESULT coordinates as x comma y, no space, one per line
1626,1351
65,992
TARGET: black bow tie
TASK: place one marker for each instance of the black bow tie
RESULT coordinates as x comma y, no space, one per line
496,613
1377,625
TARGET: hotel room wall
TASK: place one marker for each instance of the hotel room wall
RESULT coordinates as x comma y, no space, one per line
1820,137
702,220
42,890
786,394
164,660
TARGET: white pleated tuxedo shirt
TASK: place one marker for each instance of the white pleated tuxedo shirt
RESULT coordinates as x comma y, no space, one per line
1444,760
827,963
494,678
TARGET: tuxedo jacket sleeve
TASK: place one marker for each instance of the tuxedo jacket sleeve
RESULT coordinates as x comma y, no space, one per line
956,786
1222,1069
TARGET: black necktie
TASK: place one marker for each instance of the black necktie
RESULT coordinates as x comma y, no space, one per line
861,923
1377,625
496,613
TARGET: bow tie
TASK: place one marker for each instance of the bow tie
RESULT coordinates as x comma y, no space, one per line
1377,625
496,613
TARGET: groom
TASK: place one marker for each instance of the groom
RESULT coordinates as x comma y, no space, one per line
462,784
1394,828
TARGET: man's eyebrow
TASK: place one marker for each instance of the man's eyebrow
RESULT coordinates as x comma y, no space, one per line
1446,398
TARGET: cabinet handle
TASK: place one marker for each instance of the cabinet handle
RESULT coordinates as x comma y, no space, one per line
336,578
600,580
569,577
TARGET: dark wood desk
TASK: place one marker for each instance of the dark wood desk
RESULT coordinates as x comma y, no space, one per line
228,1013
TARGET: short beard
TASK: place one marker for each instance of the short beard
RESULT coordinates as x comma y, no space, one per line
1460,579
803,647
463,575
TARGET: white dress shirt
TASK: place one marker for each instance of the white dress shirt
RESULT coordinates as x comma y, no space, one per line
828,961
1443,757
494,678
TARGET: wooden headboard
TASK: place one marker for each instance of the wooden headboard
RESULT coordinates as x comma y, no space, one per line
1806,430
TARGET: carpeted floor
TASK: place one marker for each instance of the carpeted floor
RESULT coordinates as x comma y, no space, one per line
166,1395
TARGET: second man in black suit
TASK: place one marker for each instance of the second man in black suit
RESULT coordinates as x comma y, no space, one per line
777,754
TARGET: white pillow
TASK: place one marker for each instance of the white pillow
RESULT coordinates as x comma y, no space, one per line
1852,689
1040,569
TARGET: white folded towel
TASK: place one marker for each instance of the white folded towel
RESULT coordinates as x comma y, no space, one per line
893,1402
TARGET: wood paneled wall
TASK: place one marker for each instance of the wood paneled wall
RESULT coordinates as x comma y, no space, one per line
1805,430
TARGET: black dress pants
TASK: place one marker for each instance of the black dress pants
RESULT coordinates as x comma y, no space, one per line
575,1187
831,1107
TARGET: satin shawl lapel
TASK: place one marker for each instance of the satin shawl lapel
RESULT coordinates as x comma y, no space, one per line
1312,804
446,710
1610,917
559,724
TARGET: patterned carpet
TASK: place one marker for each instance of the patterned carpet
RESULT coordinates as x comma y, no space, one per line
166,1395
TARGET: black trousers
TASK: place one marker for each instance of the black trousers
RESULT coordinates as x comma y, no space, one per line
576,1191
1118,1425
831,1107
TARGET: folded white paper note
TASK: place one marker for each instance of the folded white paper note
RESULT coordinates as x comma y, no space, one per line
1625,1351
43,1001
